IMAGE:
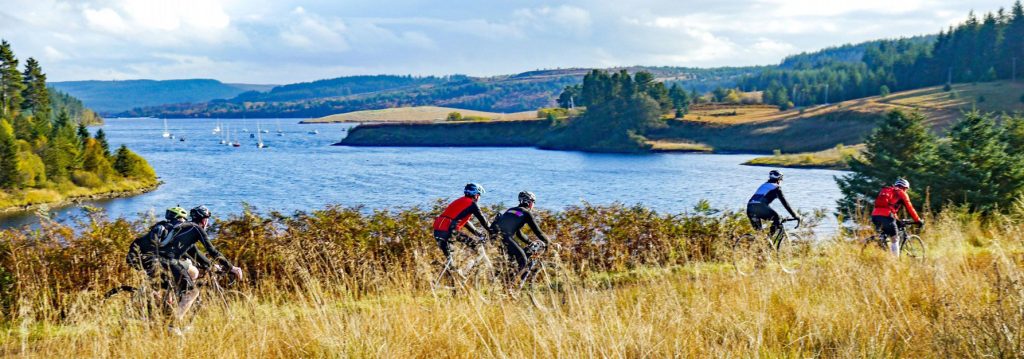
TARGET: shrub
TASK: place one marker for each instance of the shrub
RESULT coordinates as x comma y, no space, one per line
981,98
454,116
947,88
557,112
86,179
131,165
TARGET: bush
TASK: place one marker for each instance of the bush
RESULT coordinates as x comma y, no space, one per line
86,179
454,116
883,91
476,118
131,165
981,98
947,88
557,112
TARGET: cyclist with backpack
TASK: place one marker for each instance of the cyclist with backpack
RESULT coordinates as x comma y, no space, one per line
143,253
887,206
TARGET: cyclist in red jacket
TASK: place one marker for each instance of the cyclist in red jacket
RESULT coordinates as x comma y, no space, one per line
887,205
456,216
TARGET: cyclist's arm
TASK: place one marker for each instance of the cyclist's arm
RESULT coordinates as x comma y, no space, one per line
786,204
910,206
535,228
521,236
199,258
472,228
213,250
479,214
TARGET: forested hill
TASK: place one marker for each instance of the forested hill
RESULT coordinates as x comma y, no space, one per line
110,97
978,50
508,93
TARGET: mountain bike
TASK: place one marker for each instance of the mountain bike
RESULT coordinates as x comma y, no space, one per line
546,280
468,265
752,252
910,245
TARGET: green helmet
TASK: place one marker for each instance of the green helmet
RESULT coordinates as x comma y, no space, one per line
174,213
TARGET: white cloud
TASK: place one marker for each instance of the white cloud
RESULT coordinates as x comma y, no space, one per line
284,41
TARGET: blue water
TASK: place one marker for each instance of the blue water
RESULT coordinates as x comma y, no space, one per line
301,171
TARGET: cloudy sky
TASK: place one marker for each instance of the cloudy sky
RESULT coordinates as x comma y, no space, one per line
259,41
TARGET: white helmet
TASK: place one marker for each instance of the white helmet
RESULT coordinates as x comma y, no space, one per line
902,183
775,175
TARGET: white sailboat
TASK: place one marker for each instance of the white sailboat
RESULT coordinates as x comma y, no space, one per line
224,139
236,143
167,134
217,128
279,132
259,137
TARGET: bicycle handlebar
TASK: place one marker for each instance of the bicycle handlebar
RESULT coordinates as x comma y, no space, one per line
798,221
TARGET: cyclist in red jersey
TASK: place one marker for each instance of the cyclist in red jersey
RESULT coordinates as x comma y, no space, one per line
457,216
887,205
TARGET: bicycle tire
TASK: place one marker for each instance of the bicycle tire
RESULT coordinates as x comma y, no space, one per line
913,247
873,241
790,252
749,254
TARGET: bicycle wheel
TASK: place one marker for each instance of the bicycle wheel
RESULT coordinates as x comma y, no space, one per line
749,254
913,247
791,251
874,242
547,286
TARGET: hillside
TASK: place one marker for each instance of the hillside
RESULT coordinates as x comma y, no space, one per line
111,97
525,91
418,114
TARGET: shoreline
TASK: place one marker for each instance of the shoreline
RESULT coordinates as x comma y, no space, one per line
67,201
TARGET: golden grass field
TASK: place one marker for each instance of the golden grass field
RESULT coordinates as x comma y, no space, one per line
21,199
966,299
418,114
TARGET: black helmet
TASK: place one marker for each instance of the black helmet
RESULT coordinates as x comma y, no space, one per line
174,213
774,175
527,197
199,212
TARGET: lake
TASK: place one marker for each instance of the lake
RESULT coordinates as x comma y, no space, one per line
302,171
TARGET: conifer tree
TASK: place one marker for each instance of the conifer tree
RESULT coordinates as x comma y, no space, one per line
10,81
101,137
9,177
35,94
976,169
900,147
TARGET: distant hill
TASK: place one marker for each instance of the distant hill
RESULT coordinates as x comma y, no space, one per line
111,97
525,91
849,53
418,114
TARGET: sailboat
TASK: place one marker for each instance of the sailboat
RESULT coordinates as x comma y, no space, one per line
217,129
224,139
236,143
279,133
167,134
259,138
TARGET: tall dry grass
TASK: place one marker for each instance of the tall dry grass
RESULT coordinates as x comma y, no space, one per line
340,283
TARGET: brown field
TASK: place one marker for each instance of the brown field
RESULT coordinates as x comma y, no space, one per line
418,114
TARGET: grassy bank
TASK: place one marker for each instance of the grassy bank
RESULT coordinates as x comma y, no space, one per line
455,134
834,158
339,283
26,199
418,114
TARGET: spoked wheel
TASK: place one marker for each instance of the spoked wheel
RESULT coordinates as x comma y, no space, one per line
791,251
547,286
446,282
873,242
749,254
913,247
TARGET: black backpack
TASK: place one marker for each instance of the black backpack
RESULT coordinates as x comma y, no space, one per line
146,246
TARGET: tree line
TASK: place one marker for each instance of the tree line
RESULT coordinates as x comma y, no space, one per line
977,165
43,146
986,49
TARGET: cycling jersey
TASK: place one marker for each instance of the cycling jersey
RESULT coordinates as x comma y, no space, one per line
458,214
183,239
889,201
510,224
144,249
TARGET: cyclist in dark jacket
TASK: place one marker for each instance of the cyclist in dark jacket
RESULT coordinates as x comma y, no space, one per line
143,253
510,224
759,209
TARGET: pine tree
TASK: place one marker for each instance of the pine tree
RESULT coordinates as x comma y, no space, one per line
10,81
101,137
83,133
976,168
9,177
35,94
900,147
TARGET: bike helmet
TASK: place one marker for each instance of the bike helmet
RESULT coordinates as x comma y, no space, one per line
902,183
775,175
199,212
175,213
473,189
527,197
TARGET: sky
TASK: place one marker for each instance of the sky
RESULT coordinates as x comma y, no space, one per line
276,42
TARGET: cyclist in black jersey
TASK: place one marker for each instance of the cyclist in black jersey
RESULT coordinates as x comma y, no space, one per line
175,248
510,224
759,209
143,253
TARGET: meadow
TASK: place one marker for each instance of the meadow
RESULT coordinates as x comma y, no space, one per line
343,282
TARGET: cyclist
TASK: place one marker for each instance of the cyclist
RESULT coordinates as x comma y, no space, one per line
887,206
143,252
456,216
174,251
759,207
511,222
